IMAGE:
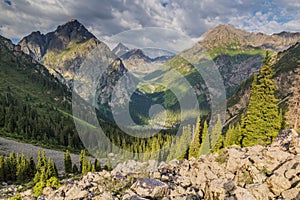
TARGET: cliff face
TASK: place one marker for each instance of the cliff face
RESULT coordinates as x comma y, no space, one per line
64,52
249,173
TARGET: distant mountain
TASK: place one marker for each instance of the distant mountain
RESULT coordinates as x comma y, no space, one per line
63,52
227,37
238,53
163,59
136,54
136,59
64,49
120,49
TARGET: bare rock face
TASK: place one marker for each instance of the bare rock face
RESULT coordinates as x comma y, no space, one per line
63,50
66,53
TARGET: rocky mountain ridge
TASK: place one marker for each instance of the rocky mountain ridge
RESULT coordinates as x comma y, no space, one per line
63,50
120,49
256,172
238,53
67,51
224,35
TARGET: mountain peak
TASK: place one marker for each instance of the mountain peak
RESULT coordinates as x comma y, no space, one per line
120,49
223,35
224,26
135,53
73,28
72,23
121,45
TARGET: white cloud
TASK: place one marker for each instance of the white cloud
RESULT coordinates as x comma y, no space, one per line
108,17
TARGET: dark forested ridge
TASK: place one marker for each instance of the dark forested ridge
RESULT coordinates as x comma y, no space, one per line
31,100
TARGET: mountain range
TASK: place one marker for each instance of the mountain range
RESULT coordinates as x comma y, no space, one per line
237,54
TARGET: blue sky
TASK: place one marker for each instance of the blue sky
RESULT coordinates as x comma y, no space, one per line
105,18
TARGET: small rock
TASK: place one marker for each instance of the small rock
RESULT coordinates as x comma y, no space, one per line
259,191
146,187
293,193
278,183
243,194
47,191
229,186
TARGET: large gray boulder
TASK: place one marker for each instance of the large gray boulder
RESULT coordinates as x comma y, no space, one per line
151,188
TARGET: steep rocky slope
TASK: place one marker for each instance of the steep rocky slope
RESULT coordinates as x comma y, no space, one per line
62,50
76,56
238,54
284,66
256,172
34,105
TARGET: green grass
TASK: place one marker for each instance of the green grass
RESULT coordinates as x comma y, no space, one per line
78,119
54,59
233,49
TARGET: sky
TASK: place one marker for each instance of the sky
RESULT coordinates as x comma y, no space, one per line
106,18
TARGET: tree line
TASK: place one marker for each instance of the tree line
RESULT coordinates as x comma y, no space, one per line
41,123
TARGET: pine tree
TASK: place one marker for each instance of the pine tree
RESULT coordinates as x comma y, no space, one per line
232,136
293,114
89,166
97,165
262,121
68,162
216,132
83,162
32,167
50,170
75,169
42,161
2,177
219,144
205,139
22,168
183,143
108,165
194,150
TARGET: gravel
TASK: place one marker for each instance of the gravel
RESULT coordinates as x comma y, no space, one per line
7,146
